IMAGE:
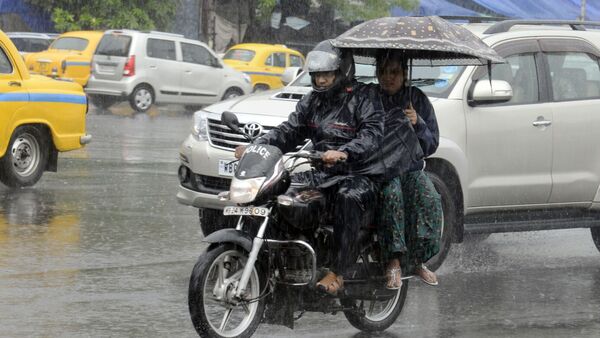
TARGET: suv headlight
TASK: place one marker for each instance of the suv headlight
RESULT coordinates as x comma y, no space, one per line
200,128
247,78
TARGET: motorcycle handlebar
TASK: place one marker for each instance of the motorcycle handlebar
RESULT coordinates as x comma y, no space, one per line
315,156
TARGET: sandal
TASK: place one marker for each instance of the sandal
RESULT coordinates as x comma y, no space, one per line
331,283
426,275
394,278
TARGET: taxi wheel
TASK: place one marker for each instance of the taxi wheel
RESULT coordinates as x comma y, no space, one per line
231,93
26,157
142,98
260,88
596,236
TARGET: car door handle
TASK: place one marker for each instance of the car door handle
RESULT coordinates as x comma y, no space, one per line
543,123
14,84
188,72
153,67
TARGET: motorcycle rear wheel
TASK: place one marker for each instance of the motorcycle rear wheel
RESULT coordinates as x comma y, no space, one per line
212,308
378,315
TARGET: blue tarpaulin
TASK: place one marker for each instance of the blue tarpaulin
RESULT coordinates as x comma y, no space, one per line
515,9
36,20
435,7
542,9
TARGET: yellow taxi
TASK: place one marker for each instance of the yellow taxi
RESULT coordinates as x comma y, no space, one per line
263,62
40,118
68,57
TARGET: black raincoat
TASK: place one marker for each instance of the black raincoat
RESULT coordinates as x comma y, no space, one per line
344,121
404,146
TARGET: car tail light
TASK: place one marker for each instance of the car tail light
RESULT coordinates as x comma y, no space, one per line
129,69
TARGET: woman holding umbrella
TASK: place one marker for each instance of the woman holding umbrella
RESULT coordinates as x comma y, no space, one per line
412,208
429,41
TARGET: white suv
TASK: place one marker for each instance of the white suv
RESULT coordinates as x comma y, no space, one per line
155,67
520,155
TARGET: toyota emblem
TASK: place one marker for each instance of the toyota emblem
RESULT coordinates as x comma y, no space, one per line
253,130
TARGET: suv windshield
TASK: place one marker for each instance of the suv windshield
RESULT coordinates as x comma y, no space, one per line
239,55
434,81
69,43
114,45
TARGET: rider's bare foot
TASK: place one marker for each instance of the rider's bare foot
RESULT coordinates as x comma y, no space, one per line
331,283
393,274
426,275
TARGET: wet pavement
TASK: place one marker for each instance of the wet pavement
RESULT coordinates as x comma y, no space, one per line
102,248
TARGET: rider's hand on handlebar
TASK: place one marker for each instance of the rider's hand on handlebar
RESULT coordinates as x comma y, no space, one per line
331,157
239,151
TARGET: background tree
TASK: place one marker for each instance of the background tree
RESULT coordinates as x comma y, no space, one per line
348,10
69,15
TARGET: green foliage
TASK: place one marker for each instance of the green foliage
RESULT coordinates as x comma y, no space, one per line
366,10
349,10
264,8
69,15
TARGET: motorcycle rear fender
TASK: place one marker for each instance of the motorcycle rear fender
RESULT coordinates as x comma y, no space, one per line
230,236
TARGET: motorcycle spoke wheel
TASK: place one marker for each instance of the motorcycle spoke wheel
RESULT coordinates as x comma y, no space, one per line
227,316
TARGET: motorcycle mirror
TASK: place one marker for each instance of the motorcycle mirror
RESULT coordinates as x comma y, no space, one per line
230,120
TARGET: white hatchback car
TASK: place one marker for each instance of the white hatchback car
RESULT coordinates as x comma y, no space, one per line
155,67
517,153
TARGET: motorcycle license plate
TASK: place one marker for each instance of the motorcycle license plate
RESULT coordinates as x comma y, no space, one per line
227,167
245,211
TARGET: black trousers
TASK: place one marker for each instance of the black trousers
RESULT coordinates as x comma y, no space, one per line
352,200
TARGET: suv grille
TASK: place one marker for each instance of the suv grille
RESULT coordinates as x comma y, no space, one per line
216,183
206,184
222,137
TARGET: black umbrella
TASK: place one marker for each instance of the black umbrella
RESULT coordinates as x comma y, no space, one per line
425,41
428,40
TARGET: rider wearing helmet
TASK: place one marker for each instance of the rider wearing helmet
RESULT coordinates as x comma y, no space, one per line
348,130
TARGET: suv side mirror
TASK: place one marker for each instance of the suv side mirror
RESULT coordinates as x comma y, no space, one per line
496,92
289,74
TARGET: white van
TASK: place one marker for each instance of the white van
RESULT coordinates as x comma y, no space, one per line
155,67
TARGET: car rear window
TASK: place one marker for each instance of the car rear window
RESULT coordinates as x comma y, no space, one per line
239,55
70,43
31,45
114,45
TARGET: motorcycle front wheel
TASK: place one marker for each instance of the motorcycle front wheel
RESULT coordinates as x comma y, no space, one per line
379,312
214,309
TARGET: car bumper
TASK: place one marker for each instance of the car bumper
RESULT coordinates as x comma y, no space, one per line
201,160
109,87
85,139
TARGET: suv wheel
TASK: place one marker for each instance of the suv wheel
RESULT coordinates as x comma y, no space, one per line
596,236
212,220
103,101
231,93
142,98
26,157
449,224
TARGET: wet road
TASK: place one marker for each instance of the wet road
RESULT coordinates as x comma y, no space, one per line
102,248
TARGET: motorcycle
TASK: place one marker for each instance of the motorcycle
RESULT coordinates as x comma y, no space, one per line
266,269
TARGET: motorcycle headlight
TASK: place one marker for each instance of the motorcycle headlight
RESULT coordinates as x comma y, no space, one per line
200,128
245,191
